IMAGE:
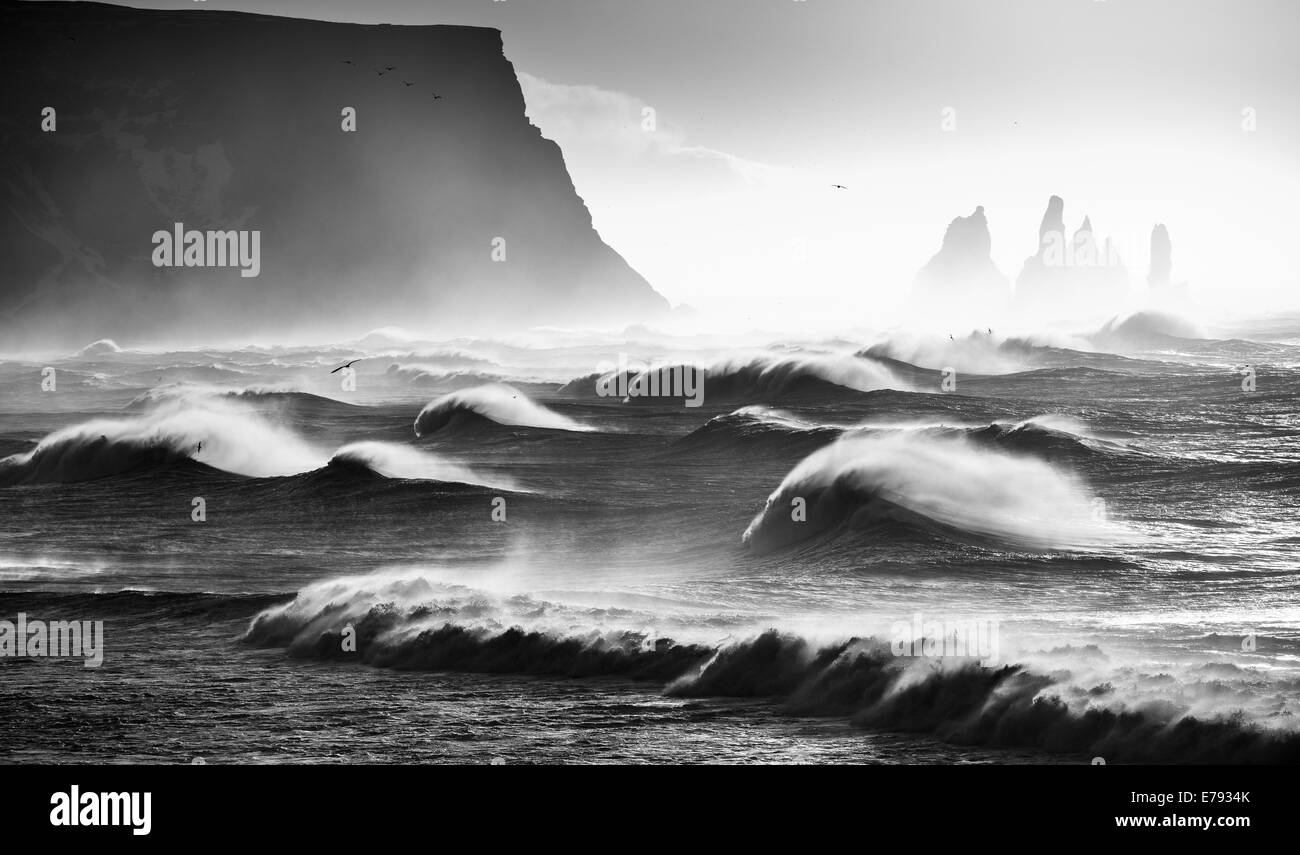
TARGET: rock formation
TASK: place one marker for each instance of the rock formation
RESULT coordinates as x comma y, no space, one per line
962,274
1081,277
446,214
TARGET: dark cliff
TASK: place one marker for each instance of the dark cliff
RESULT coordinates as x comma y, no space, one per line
231,121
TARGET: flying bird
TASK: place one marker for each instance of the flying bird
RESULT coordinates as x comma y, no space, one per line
840,186
437,97
407,83
348,365
380,73
347,62
388,68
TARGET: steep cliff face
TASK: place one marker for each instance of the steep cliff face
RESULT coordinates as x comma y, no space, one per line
450,213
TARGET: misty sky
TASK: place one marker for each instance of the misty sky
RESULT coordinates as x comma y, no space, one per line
1132,110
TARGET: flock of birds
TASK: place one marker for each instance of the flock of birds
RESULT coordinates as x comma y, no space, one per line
388,69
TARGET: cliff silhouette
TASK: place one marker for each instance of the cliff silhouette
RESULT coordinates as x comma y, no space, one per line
963,263
1161,289
960,281
445,210
1076,276
1068,278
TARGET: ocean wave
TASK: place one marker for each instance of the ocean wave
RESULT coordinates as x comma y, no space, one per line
392,613
979,352
742,429
1066,705
496,402
988,353
939,483
966,702
760,377
103,347
758,417
1050,434
393,460
223,434
430,375
1146,331
439,359
187,392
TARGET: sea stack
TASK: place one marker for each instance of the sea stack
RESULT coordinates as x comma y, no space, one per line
962,274
1081,278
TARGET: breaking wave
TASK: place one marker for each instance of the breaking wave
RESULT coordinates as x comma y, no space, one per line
224,434
939,483
765,376
1145,330
754,425
392,460
1050,434
495,402
408,621
979,352
198,391
430,375
103,347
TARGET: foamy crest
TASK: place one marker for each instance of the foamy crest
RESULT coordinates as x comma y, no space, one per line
498,402
402,461
929,480
846,370
219,432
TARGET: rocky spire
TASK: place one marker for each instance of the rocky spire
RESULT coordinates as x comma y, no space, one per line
963,267
1053,224
1161,257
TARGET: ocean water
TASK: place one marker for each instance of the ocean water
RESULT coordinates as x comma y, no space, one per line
473,557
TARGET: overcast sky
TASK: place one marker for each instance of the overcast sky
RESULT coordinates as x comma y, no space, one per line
1132,110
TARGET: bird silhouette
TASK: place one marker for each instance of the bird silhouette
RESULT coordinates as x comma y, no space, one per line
348,365
407,83
437,97
347,62
380,73
840,186
388,68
